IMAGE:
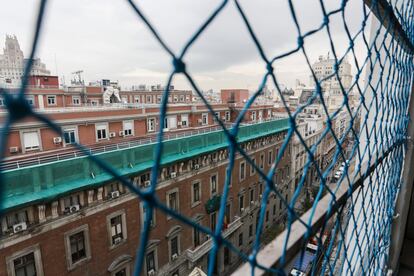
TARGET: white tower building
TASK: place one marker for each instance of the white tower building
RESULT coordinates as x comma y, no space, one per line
12,63
324,70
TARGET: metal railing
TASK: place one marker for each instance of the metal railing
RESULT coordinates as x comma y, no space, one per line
92,150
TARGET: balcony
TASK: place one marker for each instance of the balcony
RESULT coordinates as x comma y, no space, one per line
201,250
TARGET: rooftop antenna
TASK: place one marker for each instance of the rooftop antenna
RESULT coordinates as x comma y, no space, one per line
77,77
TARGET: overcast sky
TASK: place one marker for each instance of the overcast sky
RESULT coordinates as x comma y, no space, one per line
105,39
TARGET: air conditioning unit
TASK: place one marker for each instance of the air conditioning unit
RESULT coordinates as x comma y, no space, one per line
179,123
200,121
121,133
242,210
147,183
174,257
57,140
252,202
173,175
74,208
117,240
13,149
112,134
196,166
151,272
114,194
166,129
19,227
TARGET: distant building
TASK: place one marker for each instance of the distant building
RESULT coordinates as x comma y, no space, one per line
331,83
234,95
12,63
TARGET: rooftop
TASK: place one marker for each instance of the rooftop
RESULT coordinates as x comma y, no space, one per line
45,182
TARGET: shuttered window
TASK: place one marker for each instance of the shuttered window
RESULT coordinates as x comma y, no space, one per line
31,140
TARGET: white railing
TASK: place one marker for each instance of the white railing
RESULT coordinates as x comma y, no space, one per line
31,161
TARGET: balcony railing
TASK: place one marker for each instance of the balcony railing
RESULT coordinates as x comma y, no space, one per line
195,254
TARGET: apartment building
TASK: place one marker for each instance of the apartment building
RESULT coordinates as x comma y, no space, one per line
94,126
45,92
72,218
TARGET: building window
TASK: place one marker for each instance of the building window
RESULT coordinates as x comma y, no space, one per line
143,210
213,221
196,237
204,119
184,120
117,228
101,131
251,196
217,114
149,99
262,160
128,128
51,100
274,209
26,262
122,272
252,169
137,99
25,265
31,140
2,102
69,136
196,193
75,100
240,239
151,124
170,122
213,184
270,158
260,189
226,256
77,246
174,248
172,200
29,99
227,215
181,98
242,171
241,203
227,115
253,115
150,260
250,230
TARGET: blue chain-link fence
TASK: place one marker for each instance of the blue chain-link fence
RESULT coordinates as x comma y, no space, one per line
354,232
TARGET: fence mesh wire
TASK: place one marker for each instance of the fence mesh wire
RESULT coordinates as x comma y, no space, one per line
359,230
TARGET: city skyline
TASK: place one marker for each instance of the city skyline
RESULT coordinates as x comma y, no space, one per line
222,58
